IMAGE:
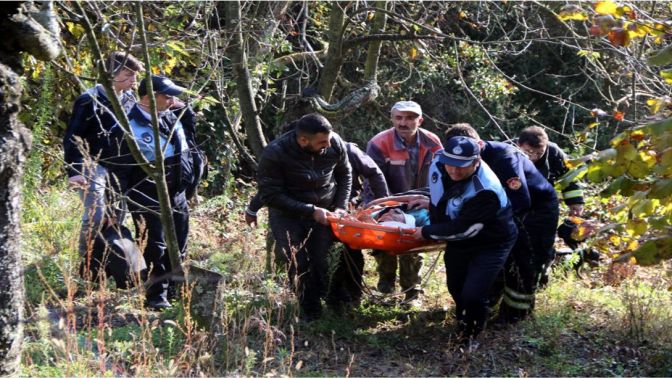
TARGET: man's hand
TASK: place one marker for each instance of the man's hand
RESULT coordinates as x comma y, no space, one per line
420,203
576,210
77,182
251,220
339,213
320,215
418,234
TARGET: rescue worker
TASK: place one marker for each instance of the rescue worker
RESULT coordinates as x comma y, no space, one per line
469,210
550,161
404,153
141,190
351,267
91,121
535,208
304,176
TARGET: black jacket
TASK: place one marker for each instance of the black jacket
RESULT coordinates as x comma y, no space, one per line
552,166
91,121
363,169
295,181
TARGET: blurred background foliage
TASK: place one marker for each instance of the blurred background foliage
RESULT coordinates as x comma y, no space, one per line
578,70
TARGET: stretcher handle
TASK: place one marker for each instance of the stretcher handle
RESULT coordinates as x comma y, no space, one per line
404,198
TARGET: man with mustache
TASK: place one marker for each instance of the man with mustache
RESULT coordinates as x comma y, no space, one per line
404,154
304,176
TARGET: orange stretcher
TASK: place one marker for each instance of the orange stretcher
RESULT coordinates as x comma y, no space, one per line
359,230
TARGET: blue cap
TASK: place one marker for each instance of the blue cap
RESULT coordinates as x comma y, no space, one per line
161,85
459,151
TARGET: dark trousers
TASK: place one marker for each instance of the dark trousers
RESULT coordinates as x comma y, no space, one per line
150,230
304,245
470,275
531,255
349,273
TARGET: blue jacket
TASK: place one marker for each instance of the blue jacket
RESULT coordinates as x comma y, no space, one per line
470,215
91,120
525,186
177,156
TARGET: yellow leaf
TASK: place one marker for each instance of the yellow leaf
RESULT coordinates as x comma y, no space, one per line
413,53
615,239
572,12
636,227
632,245
606,7
667,75
654,104
462,15
156,70
593,125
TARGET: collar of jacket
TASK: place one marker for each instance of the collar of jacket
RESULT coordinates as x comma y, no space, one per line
293,144
400,144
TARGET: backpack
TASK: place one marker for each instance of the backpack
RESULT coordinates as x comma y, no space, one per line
199,159
116,253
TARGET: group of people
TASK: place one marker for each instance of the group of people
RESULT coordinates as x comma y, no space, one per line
102,168
492,203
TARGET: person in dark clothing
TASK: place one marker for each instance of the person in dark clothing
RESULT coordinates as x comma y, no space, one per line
187,117
304,176
535,208
351,267
134,183
470,211
550,161
87,136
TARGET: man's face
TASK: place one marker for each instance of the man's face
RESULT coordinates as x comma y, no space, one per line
124,80
534,153
394,215
315,144
406,124
164,102
461,173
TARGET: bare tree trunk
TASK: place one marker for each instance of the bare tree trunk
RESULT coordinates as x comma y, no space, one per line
14,145
36,33
243,84
332,67
373,53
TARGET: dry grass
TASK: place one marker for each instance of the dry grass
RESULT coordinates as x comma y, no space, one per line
582,326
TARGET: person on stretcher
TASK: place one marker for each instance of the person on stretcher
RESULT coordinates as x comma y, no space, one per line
401,216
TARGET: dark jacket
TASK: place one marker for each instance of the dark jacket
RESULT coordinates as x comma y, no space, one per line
363,169
526,188
552,166
91,120
295,181
129,175
187,118
391,155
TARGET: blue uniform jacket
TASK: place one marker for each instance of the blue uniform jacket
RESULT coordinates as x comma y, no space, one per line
470,215
177,156
525,186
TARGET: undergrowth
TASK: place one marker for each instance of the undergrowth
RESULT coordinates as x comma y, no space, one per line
582,325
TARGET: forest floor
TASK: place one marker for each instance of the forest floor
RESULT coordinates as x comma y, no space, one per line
611,321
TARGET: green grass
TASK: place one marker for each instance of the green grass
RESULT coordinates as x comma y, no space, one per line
582,327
